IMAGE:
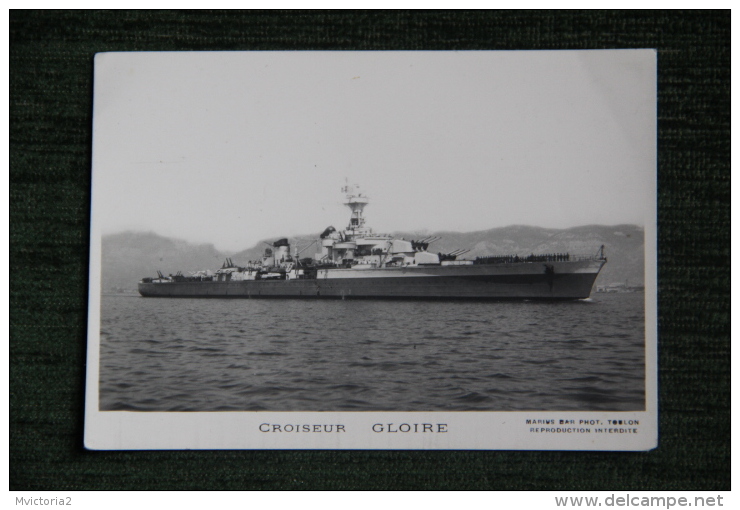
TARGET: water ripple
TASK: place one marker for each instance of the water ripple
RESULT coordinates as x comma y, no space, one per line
162,355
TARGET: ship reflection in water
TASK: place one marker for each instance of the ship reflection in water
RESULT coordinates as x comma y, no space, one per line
316,355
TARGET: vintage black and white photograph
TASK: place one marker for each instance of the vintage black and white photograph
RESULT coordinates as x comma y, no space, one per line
373,250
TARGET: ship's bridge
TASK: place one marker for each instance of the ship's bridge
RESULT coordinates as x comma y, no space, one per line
356,201
357,245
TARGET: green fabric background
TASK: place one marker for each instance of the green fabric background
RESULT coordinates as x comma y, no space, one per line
51,64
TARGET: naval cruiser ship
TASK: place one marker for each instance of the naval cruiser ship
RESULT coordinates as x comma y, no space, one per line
356,263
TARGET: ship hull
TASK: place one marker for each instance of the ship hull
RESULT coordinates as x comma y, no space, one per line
556,280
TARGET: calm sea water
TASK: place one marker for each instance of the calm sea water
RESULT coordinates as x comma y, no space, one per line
294,355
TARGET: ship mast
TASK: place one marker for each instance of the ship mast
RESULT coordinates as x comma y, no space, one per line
356,201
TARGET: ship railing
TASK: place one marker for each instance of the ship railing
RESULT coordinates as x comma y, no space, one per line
538,258
587,257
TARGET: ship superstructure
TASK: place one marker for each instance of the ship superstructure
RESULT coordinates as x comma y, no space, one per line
355,262
359,248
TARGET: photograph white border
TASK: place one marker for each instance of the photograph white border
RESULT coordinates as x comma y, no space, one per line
475,430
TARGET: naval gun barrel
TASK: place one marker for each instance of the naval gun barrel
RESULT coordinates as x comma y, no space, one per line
430,239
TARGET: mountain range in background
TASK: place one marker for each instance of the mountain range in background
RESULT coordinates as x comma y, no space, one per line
129,256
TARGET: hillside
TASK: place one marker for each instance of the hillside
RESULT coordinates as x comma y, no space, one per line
129,256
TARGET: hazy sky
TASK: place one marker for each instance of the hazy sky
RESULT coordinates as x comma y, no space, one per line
233,147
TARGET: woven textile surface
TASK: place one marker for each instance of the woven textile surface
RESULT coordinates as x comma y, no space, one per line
51,64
